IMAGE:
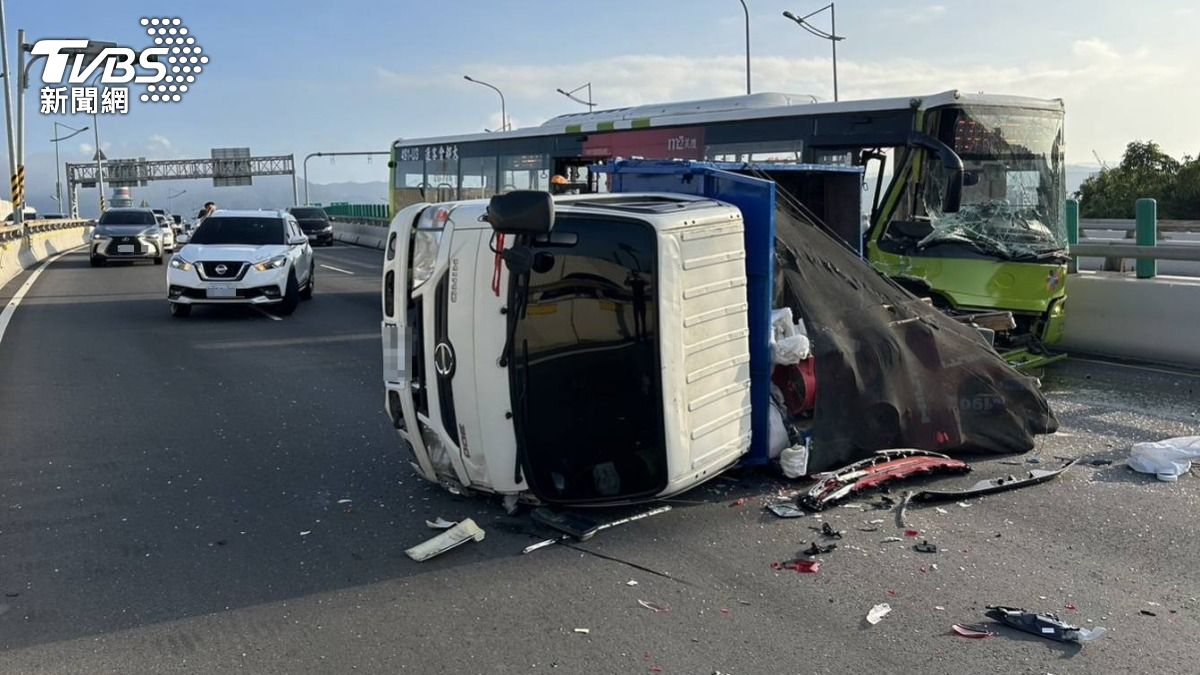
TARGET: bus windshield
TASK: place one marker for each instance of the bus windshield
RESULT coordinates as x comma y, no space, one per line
1013,184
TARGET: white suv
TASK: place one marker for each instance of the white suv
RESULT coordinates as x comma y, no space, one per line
242,257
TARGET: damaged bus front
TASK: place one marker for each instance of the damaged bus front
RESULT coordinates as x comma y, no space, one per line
975,218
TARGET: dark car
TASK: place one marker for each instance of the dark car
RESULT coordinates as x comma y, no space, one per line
315,224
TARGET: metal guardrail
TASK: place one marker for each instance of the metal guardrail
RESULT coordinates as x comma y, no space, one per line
9,233
359,211
1131,225
1146,250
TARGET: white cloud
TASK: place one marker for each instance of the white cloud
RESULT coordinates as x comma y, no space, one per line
1102,87
158,145
927,14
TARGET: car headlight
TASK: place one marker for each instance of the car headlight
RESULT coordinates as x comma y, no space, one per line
152,232
181,264
271,264
425,253
99,236
327,228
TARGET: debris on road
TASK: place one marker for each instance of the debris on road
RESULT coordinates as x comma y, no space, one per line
620,521
827,530
803,566
1048,626
817,549
305,533
878,612
653,606
993,485
786,510
584,631
439,523
1167,460
1146,612
1101,462
925,547
466,530
883,467
740,501
889,540
974,631
631,582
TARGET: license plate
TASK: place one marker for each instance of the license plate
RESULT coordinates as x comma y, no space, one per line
312,236
221,292
124,248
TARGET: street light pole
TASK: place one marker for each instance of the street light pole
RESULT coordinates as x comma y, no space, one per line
746,10
8,111
173,196
832,35
366,153
58,162
503,109
571,95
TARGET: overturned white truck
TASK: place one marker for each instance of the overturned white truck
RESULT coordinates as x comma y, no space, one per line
616,347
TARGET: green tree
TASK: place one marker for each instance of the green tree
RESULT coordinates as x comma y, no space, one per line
1145,171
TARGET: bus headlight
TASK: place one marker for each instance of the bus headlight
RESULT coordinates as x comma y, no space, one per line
425,253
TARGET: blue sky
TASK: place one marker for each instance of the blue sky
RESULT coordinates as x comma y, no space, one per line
290,77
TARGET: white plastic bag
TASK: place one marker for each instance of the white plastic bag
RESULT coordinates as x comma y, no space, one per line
790,350
1167,459
781,324
777,439
794,461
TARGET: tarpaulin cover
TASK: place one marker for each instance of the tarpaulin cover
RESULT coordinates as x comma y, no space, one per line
893,371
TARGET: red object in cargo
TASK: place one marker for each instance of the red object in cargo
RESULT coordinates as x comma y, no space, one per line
798,383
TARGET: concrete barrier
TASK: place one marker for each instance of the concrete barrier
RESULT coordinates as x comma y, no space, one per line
360,233
1113,314
46,238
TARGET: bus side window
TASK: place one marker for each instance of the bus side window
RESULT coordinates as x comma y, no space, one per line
524,172
478,179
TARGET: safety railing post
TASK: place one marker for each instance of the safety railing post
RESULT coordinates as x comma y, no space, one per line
1146,228
1072,216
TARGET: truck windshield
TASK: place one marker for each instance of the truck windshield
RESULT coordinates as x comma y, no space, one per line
1013,185
586,378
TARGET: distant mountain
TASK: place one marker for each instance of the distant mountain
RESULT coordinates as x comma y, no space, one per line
266,192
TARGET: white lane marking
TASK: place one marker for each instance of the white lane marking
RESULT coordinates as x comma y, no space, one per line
337,269
11,307
268,314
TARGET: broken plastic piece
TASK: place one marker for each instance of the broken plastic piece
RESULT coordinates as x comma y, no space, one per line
990,486
621,521
972,631
883,467
466,530
827,530
578,526
653,606
817,549
584,631
878,612
801,566
912,533
925,547
439,524
786,510
1048,626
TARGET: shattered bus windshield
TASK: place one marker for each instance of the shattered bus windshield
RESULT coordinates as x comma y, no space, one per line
1013,184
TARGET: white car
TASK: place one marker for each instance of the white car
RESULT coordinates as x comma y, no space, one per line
168,233
242,257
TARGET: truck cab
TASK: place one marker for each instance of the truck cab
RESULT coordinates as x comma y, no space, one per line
614,369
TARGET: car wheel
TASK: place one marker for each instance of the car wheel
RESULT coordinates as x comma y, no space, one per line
158,260
291,295
180,310
307,293
97,261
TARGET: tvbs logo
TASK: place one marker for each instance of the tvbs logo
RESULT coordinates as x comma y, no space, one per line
88,77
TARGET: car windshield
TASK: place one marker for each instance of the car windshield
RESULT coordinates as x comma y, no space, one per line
130,217
310,213
249,231
1013,188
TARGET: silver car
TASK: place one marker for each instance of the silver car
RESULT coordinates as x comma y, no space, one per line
127,234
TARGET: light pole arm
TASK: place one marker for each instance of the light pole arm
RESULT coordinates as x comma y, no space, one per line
503,107
746,11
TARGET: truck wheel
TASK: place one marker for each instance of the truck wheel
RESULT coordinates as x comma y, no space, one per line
291,295
180,310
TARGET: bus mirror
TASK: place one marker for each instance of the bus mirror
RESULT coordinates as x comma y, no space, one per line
521,212
952,165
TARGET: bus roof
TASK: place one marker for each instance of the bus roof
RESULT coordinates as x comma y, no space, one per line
732,109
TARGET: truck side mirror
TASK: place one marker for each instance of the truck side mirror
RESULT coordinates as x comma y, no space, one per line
521,212
951,163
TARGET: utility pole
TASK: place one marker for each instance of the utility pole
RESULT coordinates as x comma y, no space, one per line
365,153
746,10
832,35
8,112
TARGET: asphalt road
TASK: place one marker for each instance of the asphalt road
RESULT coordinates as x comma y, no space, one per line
173,499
